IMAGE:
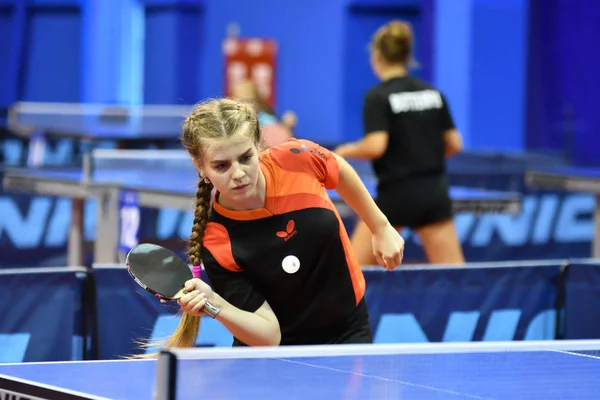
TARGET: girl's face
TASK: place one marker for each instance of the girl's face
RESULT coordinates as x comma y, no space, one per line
231,164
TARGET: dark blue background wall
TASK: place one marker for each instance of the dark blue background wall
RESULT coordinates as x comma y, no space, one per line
563,78
512,69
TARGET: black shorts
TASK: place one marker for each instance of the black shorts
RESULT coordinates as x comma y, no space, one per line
416,202
355,328
358,329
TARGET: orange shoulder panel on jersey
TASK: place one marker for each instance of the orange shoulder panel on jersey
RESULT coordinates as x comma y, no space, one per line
299,178
305,156
216,240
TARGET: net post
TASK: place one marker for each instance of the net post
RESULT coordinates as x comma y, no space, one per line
165,378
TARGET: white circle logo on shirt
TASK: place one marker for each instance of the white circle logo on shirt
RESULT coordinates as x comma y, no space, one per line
291,264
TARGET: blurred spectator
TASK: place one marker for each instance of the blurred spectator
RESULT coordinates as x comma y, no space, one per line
274,130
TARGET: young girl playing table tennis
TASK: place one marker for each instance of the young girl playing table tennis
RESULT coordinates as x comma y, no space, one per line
273,246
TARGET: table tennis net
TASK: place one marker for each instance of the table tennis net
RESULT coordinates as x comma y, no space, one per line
589,348
88,118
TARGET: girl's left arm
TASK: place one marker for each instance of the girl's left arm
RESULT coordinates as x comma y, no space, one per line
388,245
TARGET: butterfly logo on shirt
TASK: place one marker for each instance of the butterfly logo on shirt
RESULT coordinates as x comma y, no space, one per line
302,149
313,150
289,231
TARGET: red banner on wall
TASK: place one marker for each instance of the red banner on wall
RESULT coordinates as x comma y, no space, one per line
252,59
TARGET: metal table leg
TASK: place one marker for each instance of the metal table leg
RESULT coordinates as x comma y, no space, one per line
75,244
107,227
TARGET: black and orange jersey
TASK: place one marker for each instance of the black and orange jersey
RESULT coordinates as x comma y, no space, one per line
294,253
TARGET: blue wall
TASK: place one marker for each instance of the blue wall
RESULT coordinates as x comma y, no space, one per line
6,46
112,40
51,62
480,64
510,68
175,38
41,51
563,78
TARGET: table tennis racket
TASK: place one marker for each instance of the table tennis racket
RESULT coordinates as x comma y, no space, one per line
158,270
162,273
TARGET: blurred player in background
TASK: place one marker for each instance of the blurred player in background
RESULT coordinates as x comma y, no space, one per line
274,130
408,133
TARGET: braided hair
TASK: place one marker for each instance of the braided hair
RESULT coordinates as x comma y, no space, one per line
214,119
203,195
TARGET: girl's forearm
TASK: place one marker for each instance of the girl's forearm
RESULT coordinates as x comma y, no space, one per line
352,190
253,329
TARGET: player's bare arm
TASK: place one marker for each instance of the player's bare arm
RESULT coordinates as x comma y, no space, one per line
260,328
371,147
453,142
388,245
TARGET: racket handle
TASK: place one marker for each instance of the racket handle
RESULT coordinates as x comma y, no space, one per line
211,310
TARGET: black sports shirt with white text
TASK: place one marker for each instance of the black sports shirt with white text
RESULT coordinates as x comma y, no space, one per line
415,115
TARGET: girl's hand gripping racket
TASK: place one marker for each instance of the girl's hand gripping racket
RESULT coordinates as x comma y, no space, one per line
162,273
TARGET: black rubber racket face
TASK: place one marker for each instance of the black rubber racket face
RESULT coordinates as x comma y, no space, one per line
158,270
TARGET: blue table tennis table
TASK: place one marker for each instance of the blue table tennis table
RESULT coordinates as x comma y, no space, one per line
94,122
168,179
94,125
476,370
572,179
